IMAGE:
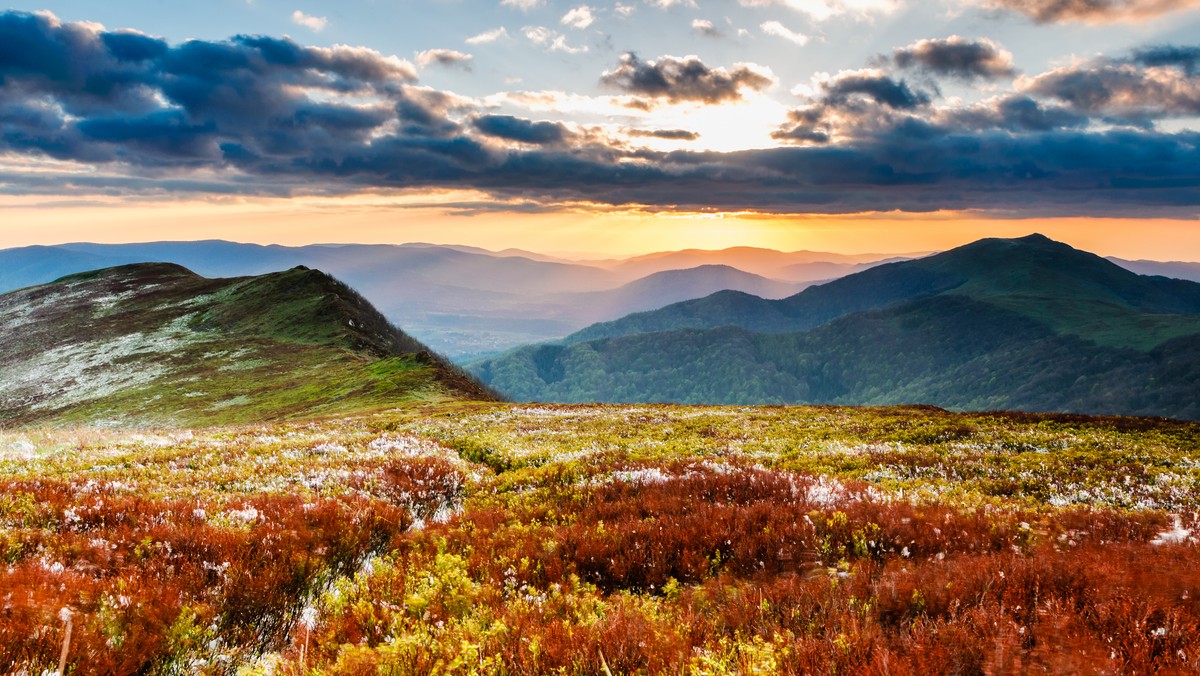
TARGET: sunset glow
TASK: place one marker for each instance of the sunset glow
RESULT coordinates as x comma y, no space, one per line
606,130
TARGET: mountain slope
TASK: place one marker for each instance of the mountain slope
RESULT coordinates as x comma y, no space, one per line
951,351
1025,324
1072,291
155,344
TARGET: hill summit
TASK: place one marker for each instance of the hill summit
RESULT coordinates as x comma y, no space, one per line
1027,323
156,344
1071,291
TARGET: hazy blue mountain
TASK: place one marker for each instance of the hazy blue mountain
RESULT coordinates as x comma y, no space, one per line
664,288
32,265
460,300
1173,269
822,271
793,266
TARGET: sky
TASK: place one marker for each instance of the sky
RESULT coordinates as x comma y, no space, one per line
604,127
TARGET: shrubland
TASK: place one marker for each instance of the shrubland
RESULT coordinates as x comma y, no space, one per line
503,539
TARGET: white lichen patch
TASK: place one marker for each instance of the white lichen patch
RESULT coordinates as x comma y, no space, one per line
240,400
85,370
105,305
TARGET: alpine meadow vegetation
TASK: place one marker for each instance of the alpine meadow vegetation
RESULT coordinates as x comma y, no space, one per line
488,538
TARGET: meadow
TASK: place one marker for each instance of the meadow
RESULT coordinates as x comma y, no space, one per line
516,539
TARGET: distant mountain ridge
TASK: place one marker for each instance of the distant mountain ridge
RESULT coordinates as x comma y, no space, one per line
460,300
1063,286
156,344
1024,323
790,266
1173,269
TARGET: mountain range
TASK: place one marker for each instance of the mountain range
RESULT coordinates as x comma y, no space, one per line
1026,323
154,344
1174,269
465,301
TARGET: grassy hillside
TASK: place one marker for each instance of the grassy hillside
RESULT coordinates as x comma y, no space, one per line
155,344
952,351
478,538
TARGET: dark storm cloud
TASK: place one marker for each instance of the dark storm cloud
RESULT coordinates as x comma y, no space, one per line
521,130
908,170
267,116
1094,11
129,97
956,57
684,79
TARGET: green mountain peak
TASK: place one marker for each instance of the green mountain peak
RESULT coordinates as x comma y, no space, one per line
155,344
1025,323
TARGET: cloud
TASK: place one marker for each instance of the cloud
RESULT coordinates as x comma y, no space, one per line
579,17
668,4
444,57
822,10
668,134
678,79
908,169
809,125
781,31
706,28
874,85
523,5
488,36
1013,113
551,40
122,113
1186,59
315,24
623,10
521,130
957,57
1129,92
80,93
853,104
1094,11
